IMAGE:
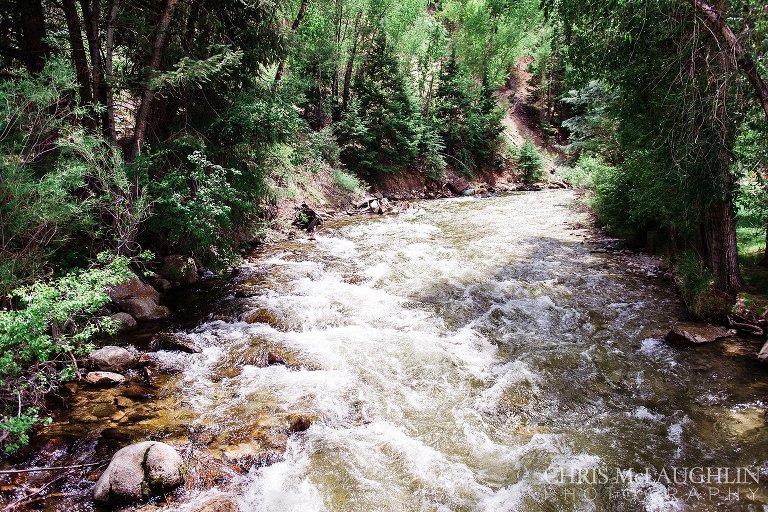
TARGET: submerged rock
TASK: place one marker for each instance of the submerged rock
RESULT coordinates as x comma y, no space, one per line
174,341
140,471
104,378
112,359
692,334
223,503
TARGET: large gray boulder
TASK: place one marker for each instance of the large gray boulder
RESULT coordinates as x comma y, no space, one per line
139,300
140,471
112,359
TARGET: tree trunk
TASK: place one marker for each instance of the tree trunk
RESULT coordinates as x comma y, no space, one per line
743,61
34,50
350,65
108,70
281,66
145,107
721,243
78,51
764,261
92,15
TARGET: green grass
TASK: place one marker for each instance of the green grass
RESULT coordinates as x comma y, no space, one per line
751,243
347,181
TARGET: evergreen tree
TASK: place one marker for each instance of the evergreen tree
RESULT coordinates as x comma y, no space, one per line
388,113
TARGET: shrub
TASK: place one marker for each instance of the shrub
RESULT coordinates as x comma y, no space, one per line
694,282
194,205
40,340
530,162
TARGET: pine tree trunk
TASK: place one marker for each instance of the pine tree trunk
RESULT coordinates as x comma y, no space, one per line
92,14
79,59
145,107
350,65
281,66
34,50
108,70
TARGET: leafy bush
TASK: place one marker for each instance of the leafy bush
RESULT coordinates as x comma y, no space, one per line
193,207
40,340
58,183
530,162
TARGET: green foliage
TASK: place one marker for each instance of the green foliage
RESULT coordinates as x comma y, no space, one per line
468,120
40,339
491,35
57,181
380,133
194,205
694,282
530,161
347,181
592,127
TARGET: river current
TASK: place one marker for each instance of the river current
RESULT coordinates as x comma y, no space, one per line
480,355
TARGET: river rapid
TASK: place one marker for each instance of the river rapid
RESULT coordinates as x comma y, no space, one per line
476,355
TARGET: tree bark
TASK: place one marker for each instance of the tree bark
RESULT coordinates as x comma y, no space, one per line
148,96
721,244
743,60
281,66
764,261
34,50
79,59
350,65
109,44
92,15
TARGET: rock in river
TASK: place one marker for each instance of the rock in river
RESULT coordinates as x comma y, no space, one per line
179,269
112,359
104,378
139,300
139,471
174,341
693,334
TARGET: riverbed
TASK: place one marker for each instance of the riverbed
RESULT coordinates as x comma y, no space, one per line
466,355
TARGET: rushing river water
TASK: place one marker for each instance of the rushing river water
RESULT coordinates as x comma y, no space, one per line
475,355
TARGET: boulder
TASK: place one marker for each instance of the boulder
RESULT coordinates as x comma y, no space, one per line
223,503
693,334
174,341
298,422
124,321
179,269
763,354
112,359
140,471
138,299
458,185
104,378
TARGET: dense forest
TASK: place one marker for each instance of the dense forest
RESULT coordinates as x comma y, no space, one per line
136,129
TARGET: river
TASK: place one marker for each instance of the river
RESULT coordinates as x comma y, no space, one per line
476,355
